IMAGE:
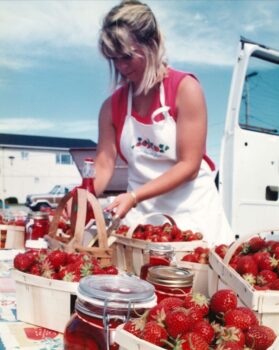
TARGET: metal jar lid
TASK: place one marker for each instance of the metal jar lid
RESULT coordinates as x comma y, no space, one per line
160,248
170,276
116,289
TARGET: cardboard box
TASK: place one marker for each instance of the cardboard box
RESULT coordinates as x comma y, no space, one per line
44,302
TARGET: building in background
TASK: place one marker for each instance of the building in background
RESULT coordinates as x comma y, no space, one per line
35,164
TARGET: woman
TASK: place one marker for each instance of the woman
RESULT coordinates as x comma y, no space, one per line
157,122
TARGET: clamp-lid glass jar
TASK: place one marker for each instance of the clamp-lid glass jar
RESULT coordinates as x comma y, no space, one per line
103,303
37,225
157,254
170,281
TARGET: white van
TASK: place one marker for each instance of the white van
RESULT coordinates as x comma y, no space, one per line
249,164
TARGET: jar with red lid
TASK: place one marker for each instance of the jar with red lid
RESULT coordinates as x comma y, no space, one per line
103,303
157,254
37,225
170,281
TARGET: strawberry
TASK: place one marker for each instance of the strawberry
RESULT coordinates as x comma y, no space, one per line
239,318
191,257
250,278
221,250
204,329
265,277
57,258
223,300
135,326
195,314
253,320
259,337
246,264
259,255
158,312
177,322
256,243
198,301
268,263
154,333
231,333
24,261
35,270
229,345
192,340
110,270
274,285
47,269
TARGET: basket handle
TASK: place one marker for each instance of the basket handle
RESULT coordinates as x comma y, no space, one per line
132,228
241,240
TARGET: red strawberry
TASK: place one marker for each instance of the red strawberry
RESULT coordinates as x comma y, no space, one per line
259,255
23,261
57,258
110,270
229,333
265,277
177,322
253,320
154,333
221,250
198,301
35,270
223,300
274,285
250,278
191,257
204,329
268,263
229,345
195,314
135,326
193,340
158,312
260,337
246,264
256,243
239,318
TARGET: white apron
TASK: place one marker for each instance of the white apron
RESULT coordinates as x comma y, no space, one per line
150,150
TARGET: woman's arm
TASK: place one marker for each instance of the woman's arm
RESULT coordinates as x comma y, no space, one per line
191,136
106,150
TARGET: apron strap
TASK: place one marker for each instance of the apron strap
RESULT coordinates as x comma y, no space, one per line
129,104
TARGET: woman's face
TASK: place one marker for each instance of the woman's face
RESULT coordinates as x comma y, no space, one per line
131,67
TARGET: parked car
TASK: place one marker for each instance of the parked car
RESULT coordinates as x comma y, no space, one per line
48,200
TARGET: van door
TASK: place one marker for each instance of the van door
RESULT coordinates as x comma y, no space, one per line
249,162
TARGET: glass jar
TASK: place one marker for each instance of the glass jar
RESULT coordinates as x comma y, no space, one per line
103,303
37,225
157,254
170,281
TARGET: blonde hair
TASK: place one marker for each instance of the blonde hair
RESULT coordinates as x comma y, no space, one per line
133,21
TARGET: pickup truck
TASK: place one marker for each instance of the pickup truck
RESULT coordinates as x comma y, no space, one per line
50,199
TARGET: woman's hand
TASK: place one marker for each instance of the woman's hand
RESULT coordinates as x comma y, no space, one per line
122,204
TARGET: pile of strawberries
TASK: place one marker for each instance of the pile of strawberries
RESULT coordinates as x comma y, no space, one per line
57,264
197,323
199,255
257,261
161,233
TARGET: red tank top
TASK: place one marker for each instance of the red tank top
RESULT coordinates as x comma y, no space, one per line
119,101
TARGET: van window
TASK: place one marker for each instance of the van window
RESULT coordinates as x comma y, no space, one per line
259,109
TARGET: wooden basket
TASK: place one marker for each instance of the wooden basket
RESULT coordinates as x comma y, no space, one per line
12,237
74,243
221,276
129,252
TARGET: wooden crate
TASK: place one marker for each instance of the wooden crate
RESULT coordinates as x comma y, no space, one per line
12,236
44,302
128,341
265,303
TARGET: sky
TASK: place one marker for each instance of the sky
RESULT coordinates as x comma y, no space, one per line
53,79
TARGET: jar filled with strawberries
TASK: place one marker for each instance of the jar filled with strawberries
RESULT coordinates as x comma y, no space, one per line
103,303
